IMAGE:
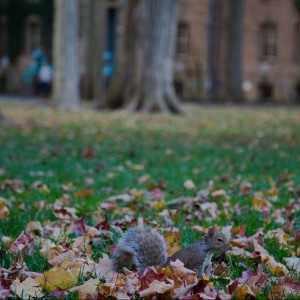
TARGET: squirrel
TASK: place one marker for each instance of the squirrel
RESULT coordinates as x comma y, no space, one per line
147,248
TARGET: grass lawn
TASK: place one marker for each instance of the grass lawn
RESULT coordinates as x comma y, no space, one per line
233,155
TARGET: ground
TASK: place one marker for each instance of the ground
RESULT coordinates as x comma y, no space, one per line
244,162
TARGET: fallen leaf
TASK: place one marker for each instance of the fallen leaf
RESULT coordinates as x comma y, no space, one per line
275,267
172,239
244,292
4,211
27,289
189,184
280,235
84,194
260,203
183,273
105,269
34,226
58,277
158,287
218,194
293,263
88,290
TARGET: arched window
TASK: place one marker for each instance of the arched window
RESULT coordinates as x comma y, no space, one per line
3,35
182,42
32,33
268,34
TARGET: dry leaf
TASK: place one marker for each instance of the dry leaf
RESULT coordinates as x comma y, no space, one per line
88,290
280,235
243,292
4,211
275,267
173,242
260,203
189,184
58,277
183,273
27,289
34,226
293,263
218,194
105,269
158,287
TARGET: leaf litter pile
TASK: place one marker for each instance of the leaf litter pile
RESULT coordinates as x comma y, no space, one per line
72,248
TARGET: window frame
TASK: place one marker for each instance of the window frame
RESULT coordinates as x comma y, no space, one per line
268,44
182,40
33,40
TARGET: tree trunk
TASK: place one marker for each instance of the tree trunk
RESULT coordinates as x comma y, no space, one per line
235,42
66,65
144,81
92,82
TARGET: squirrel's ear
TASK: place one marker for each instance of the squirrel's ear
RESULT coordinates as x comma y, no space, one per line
211,231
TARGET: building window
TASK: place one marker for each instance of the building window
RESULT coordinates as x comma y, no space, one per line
179,88
32,33
182,44
266,91
268,41
3,35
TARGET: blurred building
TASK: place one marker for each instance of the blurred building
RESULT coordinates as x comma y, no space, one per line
270,50
270,46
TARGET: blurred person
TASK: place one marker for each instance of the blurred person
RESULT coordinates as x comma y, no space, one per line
29,78
45,77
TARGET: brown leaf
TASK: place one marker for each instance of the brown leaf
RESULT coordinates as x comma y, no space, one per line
183,273
4,211
84,194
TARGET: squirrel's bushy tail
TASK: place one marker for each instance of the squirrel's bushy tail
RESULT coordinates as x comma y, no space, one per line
143,247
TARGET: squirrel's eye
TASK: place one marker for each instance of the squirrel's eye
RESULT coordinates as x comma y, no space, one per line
220,240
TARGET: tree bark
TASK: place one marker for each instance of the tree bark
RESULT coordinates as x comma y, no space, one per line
235,42
92,82
66,65
144,81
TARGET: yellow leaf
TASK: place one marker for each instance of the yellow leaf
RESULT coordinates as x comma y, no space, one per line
159,205
58,277
172,241
242,292
27,289
275,267
272,192
260,203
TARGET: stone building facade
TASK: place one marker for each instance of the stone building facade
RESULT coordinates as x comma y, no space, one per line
270,50
270,44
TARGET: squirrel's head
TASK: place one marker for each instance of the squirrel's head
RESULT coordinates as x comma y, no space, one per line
216,241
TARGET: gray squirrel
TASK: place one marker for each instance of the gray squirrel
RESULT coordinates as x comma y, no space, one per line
147,248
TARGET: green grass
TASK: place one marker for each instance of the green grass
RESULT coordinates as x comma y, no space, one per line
225,146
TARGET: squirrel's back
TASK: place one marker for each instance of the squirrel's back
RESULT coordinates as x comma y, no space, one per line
143,246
